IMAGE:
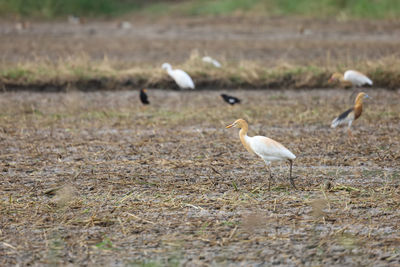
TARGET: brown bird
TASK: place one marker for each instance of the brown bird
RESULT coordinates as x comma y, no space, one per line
351,114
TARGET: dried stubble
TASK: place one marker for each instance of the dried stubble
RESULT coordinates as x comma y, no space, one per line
91,178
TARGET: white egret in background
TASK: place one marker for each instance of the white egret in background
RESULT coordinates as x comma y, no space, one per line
212,61
181,78
351,78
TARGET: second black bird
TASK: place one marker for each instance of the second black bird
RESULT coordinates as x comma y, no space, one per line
230,99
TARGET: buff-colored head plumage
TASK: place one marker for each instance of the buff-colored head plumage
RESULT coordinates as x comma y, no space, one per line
360,97
336,77
240,123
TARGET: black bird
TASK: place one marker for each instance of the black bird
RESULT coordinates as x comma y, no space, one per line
230,99
143,97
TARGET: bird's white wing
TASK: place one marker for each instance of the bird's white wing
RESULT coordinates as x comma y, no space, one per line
212,61
344,118
269,149
216,63
182,79
357,78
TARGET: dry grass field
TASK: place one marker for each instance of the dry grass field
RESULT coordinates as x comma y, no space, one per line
98,179
256,52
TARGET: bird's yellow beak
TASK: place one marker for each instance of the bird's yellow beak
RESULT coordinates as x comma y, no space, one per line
229,126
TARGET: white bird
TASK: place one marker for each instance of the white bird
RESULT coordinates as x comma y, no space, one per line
180,77
212,61
351,114
351,78
266,148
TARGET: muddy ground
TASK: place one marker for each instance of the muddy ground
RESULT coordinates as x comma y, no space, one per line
98,179
272,41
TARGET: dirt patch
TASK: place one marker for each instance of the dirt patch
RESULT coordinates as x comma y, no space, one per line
96,178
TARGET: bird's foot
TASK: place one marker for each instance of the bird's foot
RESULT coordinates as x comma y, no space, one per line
269,182
350,134
292,183
291,179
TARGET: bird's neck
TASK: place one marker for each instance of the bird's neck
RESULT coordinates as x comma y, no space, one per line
342,81
345,83
358,108
243,135
358,102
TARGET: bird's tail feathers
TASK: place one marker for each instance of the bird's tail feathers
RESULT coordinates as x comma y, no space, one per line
336,122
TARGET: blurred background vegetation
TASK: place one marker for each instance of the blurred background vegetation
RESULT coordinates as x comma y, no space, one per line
377,9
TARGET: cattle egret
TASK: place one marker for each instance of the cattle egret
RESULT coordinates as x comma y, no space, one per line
230,99
180,77
143,97
351,78
351,114
266,148
212,61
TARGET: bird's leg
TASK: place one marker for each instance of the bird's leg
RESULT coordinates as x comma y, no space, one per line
270,175
290,174
270,179
353,94
349,130
349,133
